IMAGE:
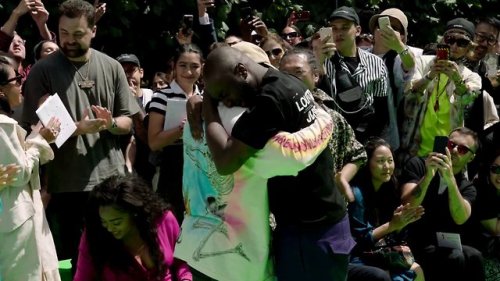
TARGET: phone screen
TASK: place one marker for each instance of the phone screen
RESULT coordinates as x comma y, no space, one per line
440,143
303,15
325,32
442,52
384,22
246,13
187,24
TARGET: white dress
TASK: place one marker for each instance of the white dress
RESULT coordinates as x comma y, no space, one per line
27,250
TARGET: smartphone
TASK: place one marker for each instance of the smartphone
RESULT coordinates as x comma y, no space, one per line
187,24
440,143
325,32
384,22
302,16
443,52
246,13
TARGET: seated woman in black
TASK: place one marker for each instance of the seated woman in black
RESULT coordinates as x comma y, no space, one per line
377,216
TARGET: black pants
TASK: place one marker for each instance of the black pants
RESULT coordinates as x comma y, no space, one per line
357,272
198,276
170,180
451,264
65,214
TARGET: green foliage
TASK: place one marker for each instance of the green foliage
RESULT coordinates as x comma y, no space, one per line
147,27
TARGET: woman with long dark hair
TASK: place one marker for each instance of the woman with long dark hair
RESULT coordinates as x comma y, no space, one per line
377,216
188,62
130,234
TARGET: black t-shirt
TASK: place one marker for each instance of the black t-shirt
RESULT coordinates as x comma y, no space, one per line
283,104
486,206
437,216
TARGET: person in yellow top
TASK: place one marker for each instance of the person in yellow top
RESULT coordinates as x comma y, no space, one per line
439,91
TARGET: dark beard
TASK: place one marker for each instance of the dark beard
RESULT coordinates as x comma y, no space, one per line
74,53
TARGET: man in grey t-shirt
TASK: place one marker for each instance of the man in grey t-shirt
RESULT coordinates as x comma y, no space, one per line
94,89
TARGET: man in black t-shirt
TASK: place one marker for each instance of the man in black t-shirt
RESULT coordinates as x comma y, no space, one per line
439,184
277,102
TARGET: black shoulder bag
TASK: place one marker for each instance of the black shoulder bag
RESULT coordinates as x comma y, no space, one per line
349,96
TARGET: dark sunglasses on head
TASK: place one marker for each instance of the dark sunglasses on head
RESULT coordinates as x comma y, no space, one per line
275,52
462,149
461,42
481,37
495,169
289,35
18,78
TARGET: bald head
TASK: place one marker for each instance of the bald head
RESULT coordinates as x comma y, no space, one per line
231,76
223,60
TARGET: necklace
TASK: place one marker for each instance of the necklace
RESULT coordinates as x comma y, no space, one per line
436,103
86,83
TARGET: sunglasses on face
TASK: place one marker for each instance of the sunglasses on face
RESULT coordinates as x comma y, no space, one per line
461,42
495,169
462,149
275,52
481,37
289,35
18,78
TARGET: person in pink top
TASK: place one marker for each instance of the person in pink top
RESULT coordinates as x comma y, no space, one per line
130,234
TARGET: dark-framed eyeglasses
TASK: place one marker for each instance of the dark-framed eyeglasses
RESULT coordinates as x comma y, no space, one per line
275,52
481,37
462,149
289,35
461,42
495,169
18,78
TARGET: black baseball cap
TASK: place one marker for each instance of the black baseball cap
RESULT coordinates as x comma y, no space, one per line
128,58
345,12
462,24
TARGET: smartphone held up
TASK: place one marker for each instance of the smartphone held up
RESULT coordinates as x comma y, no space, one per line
440,144
187,24
443,52
384,23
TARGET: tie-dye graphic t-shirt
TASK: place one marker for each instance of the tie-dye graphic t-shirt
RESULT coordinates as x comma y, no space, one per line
225,233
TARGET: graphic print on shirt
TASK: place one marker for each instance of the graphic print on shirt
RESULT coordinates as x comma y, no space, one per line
306,103
215,207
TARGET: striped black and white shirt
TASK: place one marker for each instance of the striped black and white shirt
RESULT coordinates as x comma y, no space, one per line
371,74
158,103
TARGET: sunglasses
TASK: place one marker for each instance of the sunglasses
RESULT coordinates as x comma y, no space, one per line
461,42
495,169
275,52
481,37
462,149
289,35
18,78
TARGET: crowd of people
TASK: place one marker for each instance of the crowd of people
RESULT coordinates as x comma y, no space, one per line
265,155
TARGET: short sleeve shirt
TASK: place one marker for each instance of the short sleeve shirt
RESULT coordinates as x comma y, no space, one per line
283,104
437,216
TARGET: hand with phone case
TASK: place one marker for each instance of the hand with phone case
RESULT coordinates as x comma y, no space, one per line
323,44
259,26
390,38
